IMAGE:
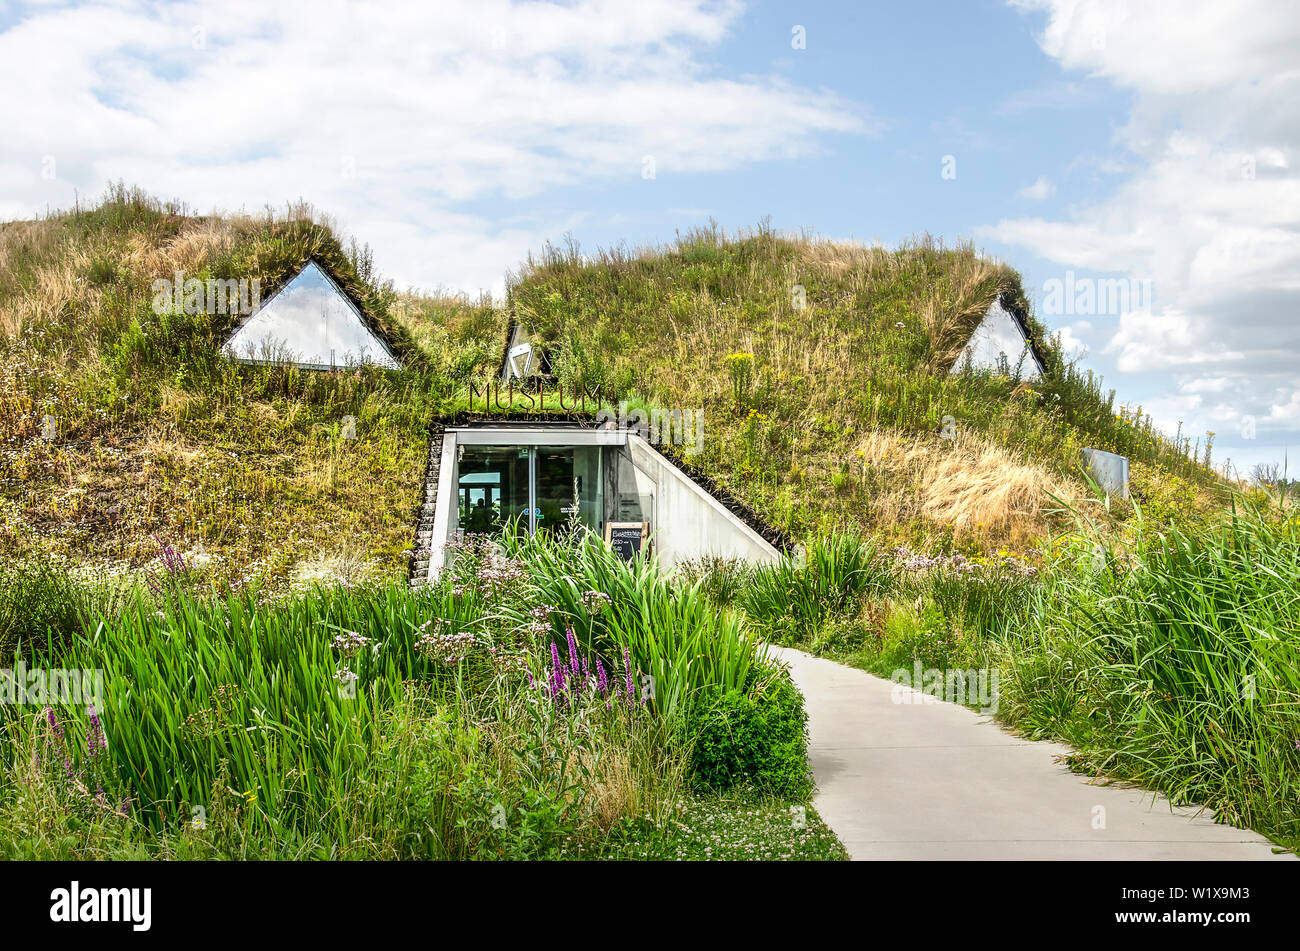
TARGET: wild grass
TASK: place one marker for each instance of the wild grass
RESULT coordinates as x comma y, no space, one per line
372,721
676,637
971,486
796,595
1168,658
45,605
1174,662
800,350
842,346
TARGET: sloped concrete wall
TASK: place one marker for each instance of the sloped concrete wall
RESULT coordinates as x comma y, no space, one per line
1110,471
686,521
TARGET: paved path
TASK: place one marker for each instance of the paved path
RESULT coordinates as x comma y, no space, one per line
940,781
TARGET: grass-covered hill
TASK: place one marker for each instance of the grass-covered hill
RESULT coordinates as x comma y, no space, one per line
821,411
157,438
823,371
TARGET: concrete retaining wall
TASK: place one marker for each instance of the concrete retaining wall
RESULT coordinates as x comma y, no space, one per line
1109,470
686,522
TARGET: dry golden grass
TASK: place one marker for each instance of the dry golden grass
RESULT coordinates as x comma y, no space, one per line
612,785
950,309
187,251
973,485
615,782
949,323
349,563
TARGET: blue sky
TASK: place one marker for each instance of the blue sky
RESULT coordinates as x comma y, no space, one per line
1093,139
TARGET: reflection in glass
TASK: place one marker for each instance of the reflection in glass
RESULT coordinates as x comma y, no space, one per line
310,323
493,488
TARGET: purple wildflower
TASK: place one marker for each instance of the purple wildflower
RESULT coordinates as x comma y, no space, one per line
601,682
574,670
55,726
627,668
95,737
171,558
557,671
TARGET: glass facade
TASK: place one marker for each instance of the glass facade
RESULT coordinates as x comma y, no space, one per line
546,488
493,488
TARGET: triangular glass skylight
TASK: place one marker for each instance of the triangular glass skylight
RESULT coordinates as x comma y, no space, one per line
309,323
998,338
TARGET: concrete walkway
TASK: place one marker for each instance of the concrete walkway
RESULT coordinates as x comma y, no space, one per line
940,781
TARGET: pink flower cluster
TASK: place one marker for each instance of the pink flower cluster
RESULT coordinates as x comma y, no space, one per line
493,571
918,561
441,644
350,643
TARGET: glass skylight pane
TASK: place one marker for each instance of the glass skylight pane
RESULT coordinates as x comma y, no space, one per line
998,335
310,323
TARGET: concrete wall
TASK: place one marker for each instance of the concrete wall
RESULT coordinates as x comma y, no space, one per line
1109,470
686,522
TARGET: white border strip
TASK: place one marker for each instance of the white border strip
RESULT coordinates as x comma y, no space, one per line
485,436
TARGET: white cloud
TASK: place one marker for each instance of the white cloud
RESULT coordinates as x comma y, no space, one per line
1288,413
1071,339
1158,341
1210,212
1169,46
391,116
1040,190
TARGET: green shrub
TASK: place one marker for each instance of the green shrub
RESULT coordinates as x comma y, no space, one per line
434,790
985,596
923,635
43,607
672,632
839,636
755,740
376,722
721,580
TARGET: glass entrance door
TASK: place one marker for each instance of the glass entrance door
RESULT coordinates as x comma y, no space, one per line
494,489
567,488
544,487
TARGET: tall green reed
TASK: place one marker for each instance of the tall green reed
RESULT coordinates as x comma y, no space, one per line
1174,660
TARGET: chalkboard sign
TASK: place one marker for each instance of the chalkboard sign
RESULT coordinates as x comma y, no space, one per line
627,538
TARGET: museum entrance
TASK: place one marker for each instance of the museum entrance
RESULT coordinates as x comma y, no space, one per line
552,488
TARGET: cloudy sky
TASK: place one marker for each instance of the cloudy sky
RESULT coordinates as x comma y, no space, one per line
1135,160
